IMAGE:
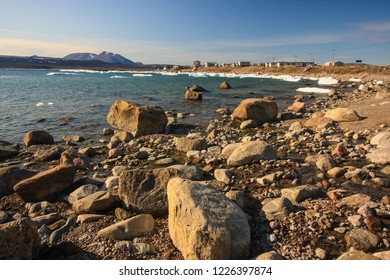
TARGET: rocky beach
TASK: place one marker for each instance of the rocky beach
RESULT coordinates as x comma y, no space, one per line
307,183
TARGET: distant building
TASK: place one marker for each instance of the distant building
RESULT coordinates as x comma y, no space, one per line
333,63
244,63
196,64
288,63
210,64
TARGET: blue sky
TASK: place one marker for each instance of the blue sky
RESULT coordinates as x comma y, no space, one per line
180,31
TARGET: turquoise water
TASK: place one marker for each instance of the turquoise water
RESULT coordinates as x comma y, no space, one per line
40,99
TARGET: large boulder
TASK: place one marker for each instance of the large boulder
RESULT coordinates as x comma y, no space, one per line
137,119
7,150
10,176
130,228
246,152
37,137
204,224
19,240
225,85
192,94
381,155
361,239
46,183
257,109
145,190
381,140
342,115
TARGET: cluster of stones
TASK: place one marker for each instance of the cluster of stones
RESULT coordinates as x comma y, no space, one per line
248,179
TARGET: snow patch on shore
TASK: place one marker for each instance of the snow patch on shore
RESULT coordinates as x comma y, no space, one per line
327,81
314,90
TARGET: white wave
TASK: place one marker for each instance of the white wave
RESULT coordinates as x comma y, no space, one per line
314,90
199,75
50,103
142,75
119,77
61,73
169,74
327,81
40,104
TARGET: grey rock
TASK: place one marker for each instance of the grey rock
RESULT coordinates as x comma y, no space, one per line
361,239
19,240
10,176
277,208
247,152
4,216
81,192
186,144
301,193
130,228
94,203
223,175
190,172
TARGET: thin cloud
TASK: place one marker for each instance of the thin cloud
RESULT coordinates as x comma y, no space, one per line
380,26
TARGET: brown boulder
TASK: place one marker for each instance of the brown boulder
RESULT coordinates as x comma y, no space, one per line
94,203
137,119
257,109
193,95
46,183
19,240
225,85
298,107
342,115
37,137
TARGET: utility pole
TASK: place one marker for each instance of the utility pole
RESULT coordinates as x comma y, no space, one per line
333,52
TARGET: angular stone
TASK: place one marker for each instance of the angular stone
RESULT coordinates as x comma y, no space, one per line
37,137
257,109
46,183
7,150
277,208
130,228
111,182
361,239
88,218
190,172
204,224
225,85
223,175
97,202
186,144
248,124
342,115
336,172
357,255
246,152
355,200
269,256
81,192
384,255
325,162
356,220
229,149
381,155
19,240
318,121
10,176
137,119
301,193
48,155
381,140
298,107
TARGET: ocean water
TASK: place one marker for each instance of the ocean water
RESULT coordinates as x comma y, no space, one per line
67,102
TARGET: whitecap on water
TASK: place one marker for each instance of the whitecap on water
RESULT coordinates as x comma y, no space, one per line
142,75
118,77
40,104
50,104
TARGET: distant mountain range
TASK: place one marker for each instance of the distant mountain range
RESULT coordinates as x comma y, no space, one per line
104,56
104,60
